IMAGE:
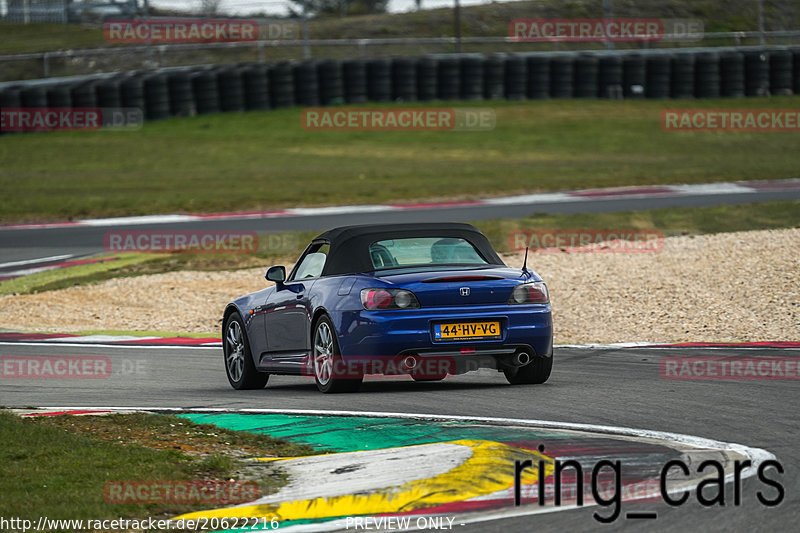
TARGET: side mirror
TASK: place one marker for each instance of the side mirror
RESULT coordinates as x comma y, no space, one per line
276,274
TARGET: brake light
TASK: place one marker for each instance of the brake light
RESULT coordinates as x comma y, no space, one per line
378,300
537,294
530,293
385,299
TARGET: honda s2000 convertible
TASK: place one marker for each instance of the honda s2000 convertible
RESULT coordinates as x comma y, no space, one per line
425,300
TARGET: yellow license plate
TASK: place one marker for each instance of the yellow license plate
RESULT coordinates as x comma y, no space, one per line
467,331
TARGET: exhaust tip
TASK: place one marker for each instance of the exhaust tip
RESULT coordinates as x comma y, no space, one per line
409,362
521,358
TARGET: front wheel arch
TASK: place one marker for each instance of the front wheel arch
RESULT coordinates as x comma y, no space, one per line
229,310
237,356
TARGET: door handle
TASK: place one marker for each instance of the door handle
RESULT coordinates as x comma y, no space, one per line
299,296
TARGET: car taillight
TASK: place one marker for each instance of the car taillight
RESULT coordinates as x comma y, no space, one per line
383,299
377,299
530,293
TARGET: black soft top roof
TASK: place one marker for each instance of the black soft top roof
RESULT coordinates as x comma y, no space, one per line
349,251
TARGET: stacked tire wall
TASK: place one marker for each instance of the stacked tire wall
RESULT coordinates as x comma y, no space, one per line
685,73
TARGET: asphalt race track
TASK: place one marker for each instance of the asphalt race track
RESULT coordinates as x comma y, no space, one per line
29,244
601,386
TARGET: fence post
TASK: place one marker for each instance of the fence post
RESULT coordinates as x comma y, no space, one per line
306,48
46,65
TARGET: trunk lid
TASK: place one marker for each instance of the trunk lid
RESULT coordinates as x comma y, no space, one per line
457,286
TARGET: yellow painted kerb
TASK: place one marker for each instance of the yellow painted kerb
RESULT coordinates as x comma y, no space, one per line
489,469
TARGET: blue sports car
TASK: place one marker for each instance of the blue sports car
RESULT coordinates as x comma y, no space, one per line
426,300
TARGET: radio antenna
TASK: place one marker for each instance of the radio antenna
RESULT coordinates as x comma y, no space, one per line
525,262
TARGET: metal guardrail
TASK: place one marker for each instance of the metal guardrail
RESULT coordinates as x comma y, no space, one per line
361,45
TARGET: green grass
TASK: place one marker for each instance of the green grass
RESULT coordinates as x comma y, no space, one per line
28,38
58,466
60,278
265,160
671,221
273,247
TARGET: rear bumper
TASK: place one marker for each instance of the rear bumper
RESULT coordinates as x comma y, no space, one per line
381,334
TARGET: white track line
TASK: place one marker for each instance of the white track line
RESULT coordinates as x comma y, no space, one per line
100,339
611,345
543,198
35,261
137,220
340,210
80,344
713,188
28,271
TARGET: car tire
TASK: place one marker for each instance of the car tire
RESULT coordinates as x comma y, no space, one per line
239,366
534,373
326,360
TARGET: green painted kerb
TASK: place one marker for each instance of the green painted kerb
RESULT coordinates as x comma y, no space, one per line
350,433
287,523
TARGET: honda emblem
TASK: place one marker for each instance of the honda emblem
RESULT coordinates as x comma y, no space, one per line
464,291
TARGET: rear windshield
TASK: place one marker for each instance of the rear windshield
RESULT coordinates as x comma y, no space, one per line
422,251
